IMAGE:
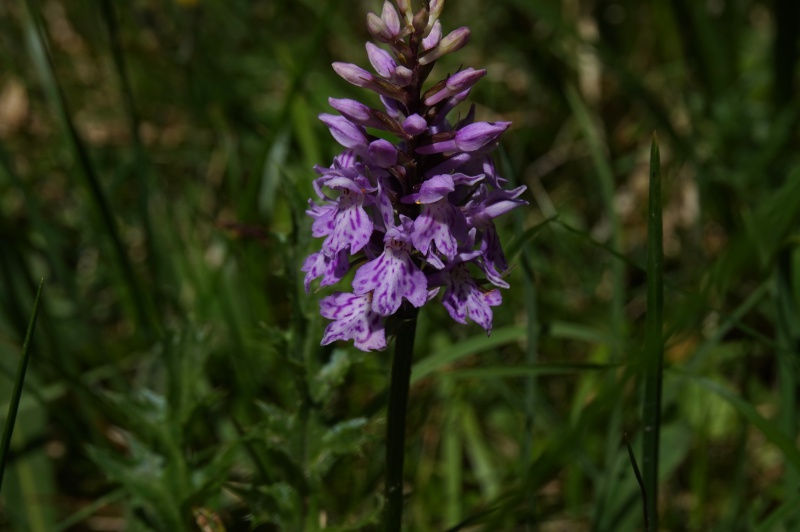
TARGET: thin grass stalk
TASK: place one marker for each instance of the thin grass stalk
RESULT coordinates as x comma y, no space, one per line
617,308
16,394
654,342
396,421
639,480
43,62
143,167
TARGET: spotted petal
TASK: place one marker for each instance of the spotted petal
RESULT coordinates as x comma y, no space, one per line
353,320
392,277
463,298
330,269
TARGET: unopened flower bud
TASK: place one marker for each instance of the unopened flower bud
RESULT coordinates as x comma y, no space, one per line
345,132
383,153
475,136
390,18
405,9
402,76
435,7
378,29
455,84
420,21
434,36
381,61
353,74
454,41
415,125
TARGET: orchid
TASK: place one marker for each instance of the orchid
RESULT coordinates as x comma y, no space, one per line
413,214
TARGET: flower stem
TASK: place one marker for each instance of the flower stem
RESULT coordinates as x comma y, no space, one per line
396,423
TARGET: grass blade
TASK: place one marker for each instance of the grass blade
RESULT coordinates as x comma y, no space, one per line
639,479
479,344
43,62
654,342
8,429
770,428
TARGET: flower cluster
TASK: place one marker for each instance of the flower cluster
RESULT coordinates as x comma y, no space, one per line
415,216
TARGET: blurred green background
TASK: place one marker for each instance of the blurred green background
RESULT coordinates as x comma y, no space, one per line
155,161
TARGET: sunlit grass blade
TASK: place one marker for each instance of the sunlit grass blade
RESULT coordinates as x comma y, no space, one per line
654,342
16,395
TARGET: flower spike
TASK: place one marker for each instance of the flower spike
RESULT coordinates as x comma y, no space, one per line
409,215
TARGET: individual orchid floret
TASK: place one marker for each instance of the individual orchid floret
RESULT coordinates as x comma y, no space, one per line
440,222
344,222
353,319
392,276
332,270
462,297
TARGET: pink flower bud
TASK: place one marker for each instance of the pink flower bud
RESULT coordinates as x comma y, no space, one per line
381,61
434,36
454,41
353,74
456,84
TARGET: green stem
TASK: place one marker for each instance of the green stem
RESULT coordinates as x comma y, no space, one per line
396,423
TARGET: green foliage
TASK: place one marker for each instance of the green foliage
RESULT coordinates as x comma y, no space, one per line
155,163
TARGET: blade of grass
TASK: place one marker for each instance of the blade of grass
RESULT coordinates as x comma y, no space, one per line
430,364
771,430
16,395
493,372
639,480
605,176
790,508
654,342
37,45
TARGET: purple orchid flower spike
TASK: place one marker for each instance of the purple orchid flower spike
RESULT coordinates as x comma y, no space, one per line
409,215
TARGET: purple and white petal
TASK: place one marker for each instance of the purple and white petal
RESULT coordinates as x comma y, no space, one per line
332,270
353,320
391,277
463,298
442,224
